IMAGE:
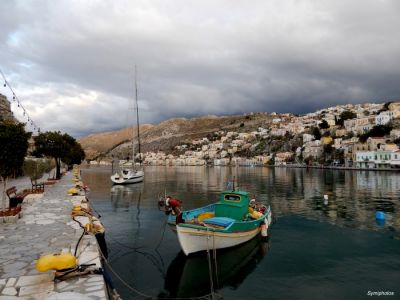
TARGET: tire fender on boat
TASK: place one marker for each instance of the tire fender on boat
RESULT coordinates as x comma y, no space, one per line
264,228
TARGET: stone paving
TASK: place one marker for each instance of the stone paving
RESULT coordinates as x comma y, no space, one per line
45,226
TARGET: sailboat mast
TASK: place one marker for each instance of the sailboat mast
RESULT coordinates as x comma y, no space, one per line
137,114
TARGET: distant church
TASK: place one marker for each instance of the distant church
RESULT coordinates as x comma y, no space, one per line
5,109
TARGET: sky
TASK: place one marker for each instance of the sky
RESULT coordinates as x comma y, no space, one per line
71,63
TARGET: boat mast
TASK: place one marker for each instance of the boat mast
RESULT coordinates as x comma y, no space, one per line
137,115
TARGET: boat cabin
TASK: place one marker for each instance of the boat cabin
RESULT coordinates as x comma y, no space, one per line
233,204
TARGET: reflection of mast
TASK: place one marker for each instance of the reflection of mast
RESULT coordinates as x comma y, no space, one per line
116,198
137,233
138,210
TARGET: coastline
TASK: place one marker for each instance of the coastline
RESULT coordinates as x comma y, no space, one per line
335,168
109,165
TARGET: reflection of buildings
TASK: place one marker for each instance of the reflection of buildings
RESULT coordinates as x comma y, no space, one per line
353,196
378,181
291,190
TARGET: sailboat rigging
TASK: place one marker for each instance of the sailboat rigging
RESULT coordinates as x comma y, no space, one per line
127,176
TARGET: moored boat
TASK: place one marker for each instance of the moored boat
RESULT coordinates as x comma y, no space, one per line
229,222
129,173
128,176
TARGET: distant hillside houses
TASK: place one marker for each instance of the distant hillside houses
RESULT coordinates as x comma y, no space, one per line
327,137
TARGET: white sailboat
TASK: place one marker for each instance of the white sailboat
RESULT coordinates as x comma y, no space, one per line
131,175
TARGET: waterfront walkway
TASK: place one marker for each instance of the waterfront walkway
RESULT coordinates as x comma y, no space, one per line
46,227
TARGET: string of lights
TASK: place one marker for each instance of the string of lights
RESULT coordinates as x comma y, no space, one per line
19,104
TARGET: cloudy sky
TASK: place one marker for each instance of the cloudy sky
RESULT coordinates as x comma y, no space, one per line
71,63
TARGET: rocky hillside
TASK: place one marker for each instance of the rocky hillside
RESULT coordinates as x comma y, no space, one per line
168,134
99,144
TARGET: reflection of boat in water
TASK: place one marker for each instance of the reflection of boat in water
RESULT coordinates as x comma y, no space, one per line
188,276
124,195
126,189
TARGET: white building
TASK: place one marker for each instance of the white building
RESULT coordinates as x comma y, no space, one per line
395,133
278,132
330,119
360,125
221,162
365,159
276,120
395,159
308,138
337,143
380,159
295,127
384,117
237,143
313,149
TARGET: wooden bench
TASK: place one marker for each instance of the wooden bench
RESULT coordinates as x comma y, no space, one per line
14,197
37,187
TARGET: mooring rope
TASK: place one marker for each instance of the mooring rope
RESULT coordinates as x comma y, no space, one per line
157,262
83,233
162,235
210,265
142,294
215,261
132,289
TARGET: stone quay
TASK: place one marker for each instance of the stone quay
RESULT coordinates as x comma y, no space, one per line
45,226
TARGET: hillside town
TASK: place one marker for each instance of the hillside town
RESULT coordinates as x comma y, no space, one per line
365,136
361,136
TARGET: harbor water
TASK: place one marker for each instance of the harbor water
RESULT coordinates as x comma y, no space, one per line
325,241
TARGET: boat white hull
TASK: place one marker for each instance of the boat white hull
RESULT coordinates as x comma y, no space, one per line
194,240
132,177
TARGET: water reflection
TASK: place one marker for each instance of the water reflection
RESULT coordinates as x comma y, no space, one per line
145,253
123,196
353,196
189,276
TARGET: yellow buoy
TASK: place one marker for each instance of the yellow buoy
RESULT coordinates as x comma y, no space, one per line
72,191
88,227
56,262
256,215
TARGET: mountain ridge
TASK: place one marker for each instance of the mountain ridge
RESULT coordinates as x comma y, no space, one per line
167,134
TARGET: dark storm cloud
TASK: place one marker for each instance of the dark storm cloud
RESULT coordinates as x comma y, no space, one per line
75,60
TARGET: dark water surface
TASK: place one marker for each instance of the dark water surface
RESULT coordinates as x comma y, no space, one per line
317,249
